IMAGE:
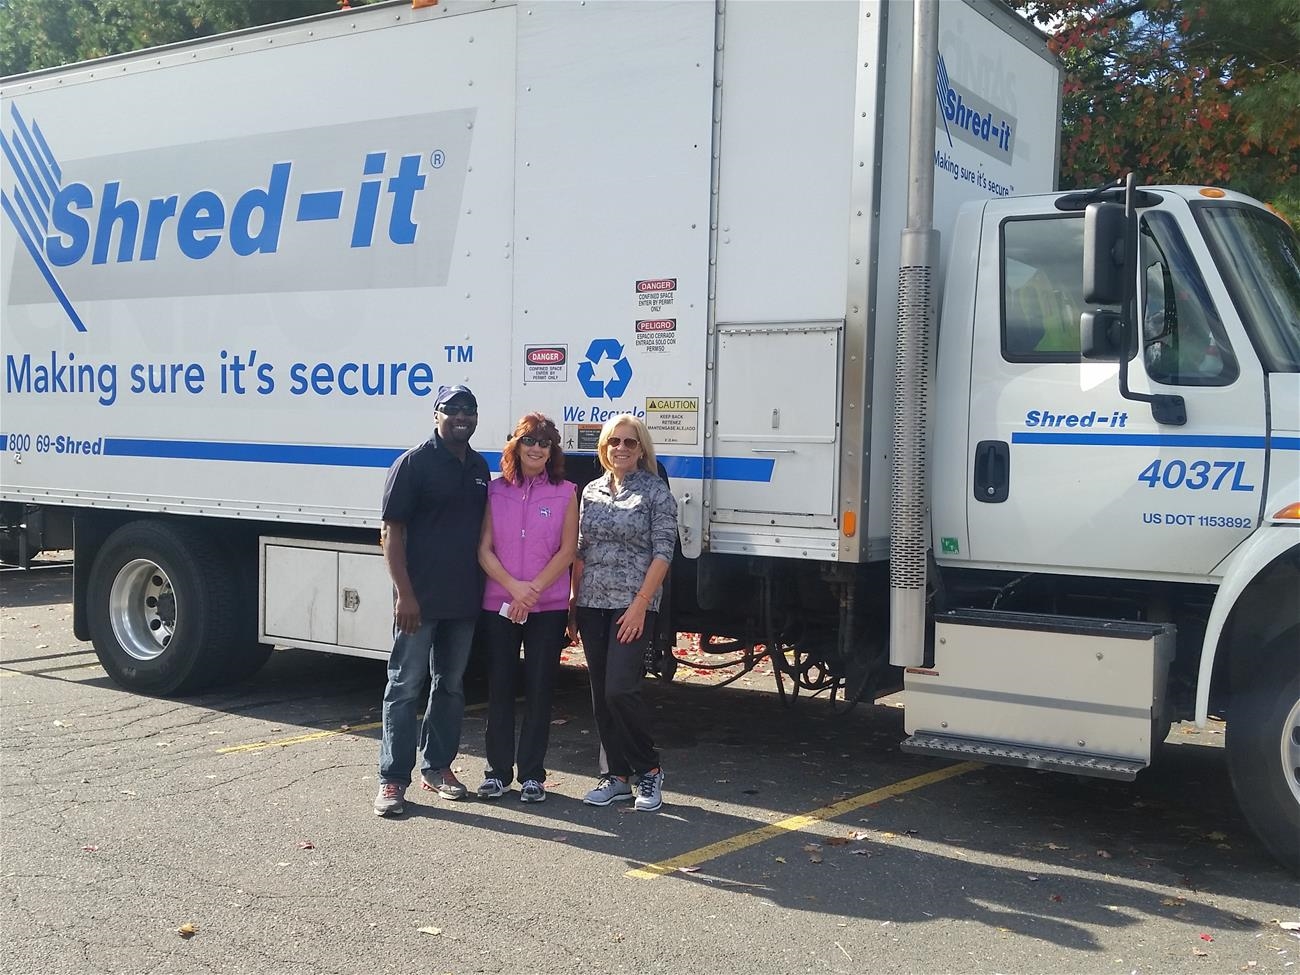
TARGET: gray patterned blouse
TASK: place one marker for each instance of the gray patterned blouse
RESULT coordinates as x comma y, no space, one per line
620,534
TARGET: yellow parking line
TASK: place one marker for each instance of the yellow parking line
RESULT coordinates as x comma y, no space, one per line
796,823
257,746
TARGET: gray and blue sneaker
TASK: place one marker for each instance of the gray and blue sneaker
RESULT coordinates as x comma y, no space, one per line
492,788
650,791
532,791
608,789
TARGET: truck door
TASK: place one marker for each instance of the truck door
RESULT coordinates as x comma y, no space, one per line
1066,474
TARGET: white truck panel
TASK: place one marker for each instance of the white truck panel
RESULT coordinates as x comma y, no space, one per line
991,65
785,161
309,297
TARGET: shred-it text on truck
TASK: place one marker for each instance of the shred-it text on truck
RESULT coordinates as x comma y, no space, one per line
232,285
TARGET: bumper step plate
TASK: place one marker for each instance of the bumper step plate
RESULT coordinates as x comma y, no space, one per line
1006,753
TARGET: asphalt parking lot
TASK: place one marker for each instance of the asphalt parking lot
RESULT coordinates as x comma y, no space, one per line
791,840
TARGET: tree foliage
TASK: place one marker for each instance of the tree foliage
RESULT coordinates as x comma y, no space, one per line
38,34
1180,91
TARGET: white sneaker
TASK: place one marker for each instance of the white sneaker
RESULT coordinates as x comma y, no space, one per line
608,789
650,791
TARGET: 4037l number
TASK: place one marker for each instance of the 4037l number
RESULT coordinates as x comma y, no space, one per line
1197,475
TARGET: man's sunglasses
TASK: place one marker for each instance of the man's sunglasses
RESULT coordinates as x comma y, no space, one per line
628,442
542,442
455,409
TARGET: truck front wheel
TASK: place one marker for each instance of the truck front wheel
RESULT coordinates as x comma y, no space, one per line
162,608
1263,743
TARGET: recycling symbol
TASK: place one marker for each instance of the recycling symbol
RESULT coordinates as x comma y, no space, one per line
596,388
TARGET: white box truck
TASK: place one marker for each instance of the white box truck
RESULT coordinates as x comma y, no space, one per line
235,272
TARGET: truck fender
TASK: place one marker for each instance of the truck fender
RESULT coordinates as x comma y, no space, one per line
1239,571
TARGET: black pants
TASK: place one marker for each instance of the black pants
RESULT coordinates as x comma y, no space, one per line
543,639
622,715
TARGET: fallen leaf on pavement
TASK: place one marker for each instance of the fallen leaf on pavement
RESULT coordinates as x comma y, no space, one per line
1207,937
815,858
1103,854
560,839
430,930
780,859
90,848
838,841
306,845
559,721
1055,898
1173,902
1288,925
1200,954
187,930
688,869
861,853
1056,846
1216,836
859,834
811,847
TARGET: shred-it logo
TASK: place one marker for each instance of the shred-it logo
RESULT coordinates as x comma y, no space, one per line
250,214
546,357
971,119
655,285
657,325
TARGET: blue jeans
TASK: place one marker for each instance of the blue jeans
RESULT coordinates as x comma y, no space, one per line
438,650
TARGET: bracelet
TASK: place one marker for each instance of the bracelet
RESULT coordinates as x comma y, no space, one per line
641,596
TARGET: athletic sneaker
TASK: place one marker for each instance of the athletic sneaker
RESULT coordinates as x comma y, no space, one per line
491,789
650,791
532,791
444,783
391,800
608,788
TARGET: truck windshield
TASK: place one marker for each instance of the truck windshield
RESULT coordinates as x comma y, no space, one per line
1259,257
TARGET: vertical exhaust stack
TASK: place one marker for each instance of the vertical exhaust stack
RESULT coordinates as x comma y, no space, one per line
909,500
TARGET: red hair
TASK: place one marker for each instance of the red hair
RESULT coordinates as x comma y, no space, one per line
543,428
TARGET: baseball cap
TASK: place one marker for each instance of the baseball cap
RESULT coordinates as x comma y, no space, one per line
447,393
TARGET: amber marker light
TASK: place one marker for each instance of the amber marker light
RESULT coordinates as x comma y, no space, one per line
1290,513
1213,192
849,523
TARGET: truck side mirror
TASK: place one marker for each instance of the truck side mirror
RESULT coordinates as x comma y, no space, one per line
1104,227
1101,335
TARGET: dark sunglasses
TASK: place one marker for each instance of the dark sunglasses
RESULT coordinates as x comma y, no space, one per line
628,442
543,442
454,409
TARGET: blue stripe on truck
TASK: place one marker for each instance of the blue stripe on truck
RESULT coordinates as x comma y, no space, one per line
327,455
1158,440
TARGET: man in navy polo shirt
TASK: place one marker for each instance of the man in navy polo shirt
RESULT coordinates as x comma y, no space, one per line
433,512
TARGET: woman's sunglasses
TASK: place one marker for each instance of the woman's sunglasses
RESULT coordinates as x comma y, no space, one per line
543,442
628,442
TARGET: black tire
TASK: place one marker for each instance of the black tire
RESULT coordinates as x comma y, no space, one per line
163,610
1263,744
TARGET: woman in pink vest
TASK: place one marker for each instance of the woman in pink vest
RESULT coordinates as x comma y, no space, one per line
530,536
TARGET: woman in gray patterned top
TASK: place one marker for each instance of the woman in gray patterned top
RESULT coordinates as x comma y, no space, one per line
626,531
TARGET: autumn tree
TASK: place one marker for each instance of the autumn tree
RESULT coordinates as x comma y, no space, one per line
1180,91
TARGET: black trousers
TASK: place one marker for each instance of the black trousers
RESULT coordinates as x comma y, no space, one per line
542,635
623,717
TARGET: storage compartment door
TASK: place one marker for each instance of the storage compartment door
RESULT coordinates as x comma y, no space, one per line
776,444
299,595
365,602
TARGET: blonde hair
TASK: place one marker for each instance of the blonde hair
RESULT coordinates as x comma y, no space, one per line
646,461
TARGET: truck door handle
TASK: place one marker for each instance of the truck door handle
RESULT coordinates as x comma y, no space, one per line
992,471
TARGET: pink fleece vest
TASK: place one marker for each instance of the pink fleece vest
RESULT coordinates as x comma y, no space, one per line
527,528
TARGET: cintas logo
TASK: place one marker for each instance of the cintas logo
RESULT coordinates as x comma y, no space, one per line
971,119
271,212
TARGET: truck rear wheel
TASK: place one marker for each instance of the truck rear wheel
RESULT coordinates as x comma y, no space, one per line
162,609
1263,743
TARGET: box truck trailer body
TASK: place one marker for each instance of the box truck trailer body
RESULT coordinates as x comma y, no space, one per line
234,276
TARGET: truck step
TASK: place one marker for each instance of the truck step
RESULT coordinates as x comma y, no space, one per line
1006,753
